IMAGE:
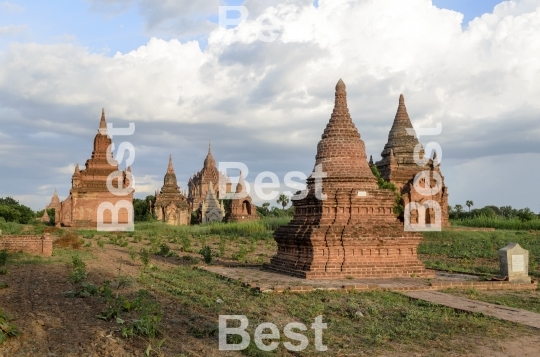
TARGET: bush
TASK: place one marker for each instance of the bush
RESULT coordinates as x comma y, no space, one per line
7,329
206,252
78,273
12,211
4,255
144,256
70,240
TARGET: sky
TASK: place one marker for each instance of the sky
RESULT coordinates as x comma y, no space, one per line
185,80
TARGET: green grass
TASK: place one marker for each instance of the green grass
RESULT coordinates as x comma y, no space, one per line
476,252
10,228
389,319
59,256
527,300
497,222
247,229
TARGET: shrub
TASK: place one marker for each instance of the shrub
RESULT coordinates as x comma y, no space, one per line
70,240
206,252
165,250
78,273
7,329
4,255
144,256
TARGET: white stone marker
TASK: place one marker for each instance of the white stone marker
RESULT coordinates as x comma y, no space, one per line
514,262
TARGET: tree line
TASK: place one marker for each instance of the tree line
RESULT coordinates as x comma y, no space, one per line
523,214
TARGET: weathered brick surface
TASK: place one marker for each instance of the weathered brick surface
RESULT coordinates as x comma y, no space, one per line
200,183
29,244
170,204
399,167
353,232
89,188
241,208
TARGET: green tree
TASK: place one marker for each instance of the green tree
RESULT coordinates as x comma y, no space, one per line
25,214
265,206
283,200
526,215
141,209
508,211
10,214
469,204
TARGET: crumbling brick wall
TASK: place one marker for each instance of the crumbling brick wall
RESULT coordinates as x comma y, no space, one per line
30,244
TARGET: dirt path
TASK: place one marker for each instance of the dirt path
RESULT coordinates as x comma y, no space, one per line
520,316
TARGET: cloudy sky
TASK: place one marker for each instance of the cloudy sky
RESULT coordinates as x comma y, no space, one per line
184,80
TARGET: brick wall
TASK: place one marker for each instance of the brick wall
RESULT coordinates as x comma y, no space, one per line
28,244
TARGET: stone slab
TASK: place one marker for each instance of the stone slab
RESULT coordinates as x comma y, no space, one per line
520,316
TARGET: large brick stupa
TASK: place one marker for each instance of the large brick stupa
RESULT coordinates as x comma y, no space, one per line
399,167
352,232
90,191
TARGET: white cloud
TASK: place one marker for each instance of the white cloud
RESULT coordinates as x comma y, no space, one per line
67,170
11,29
482,83
10,7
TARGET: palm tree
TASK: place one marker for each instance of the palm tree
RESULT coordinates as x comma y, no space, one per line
265,206
469,204
284,200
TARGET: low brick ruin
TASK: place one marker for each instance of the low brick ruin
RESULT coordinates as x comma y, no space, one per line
353,232
41,245
241,208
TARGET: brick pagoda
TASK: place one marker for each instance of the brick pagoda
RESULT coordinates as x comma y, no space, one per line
353,232
45,218
241,208
89,187
200,183
399,167
170,204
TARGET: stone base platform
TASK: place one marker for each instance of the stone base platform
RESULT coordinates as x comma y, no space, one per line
267,281
370,271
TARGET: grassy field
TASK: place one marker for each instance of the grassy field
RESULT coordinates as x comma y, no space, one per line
357,322
476,252
497,222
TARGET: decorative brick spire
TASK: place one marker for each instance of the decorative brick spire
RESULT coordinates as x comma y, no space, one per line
209,161
170,169
341,151
241,186
398,138
103,122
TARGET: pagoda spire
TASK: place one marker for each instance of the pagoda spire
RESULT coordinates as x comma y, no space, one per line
241,186
170,169
209,161
342,151
103,122
401,114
